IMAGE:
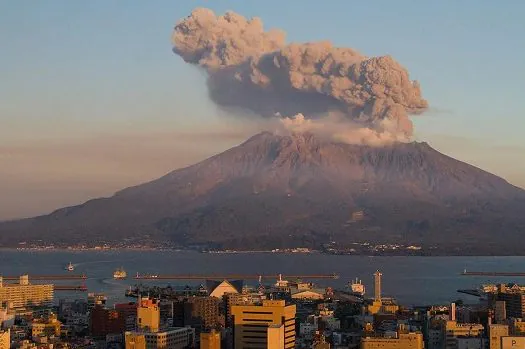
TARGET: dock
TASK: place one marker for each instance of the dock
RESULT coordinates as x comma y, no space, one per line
78,288
47,277
233,277
491,273
475,293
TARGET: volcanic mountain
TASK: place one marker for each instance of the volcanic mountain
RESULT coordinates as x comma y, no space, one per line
298,190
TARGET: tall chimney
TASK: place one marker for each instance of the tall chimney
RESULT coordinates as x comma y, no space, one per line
452,312
377,286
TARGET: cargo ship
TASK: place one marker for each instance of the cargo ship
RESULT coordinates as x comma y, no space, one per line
120,274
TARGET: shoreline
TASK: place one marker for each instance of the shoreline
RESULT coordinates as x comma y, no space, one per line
244,252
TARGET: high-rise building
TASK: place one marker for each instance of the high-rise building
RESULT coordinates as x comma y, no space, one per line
24,294
495,334
210,340
173,338
514,299
148,315
5,339
231,299
104,321
201,313
252,322
500,313
129,312
275,337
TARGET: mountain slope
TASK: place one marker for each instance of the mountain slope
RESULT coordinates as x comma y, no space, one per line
274,191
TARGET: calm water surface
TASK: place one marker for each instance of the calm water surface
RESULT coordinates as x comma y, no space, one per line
412,280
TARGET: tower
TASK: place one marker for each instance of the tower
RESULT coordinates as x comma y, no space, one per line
377,286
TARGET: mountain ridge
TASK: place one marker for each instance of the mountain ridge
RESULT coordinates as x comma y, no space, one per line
290,190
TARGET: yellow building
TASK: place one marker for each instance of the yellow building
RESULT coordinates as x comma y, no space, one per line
253,322
495,334
453,329
135,340
275,337
173,338
148,315
403,341
24,294
210,340
47,327
5,339
517,327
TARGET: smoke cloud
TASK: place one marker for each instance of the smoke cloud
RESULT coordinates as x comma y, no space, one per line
305,84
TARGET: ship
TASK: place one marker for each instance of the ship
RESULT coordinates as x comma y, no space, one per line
357,287
120,274
69,267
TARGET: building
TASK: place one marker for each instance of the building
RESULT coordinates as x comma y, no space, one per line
7,320
134,340
514,299
252,322
5,339
173,338
512,342
500,313
471,343
401,341
310,294
454,330
210,340
148,315
201,313
129,312
231,299
495,334
105,321
47,327
24,294
275,337
219,288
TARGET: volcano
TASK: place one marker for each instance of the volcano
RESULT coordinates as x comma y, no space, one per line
298,190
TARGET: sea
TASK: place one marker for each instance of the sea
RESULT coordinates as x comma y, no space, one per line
411,280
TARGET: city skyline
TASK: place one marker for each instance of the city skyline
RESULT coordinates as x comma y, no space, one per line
94,100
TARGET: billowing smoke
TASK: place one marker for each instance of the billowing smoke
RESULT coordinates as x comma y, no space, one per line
255,70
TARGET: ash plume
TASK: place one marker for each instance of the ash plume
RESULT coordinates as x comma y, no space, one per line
255,70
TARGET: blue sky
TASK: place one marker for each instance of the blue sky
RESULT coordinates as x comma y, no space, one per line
76,75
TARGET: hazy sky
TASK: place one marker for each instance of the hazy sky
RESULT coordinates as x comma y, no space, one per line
92,99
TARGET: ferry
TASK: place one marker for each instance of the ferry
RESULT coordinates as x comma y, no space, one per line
357,287
120,274
69,267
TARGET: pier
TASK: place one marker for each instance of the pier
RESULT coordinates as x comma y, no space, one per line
491,273
476,293
47,277
79,288
233,277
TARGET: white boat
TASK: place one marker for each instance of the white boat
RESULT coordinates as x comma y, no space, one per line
120,274
70,267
